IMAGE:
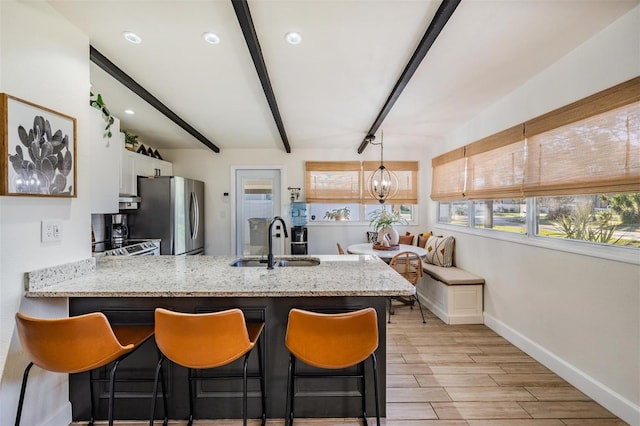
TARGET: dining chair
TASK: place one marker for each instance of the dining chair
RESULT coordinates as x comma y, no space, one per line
76,345
340,250
409,265
208,341
332,342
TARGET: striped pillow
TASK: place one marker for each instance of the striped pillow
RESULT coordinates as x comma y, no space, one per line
440,251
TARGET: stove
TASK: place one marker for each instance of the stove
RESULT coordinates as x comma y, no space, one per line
129,248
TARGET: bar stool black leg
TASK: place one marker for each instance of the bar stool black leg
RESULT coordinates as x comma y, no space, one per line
244,389
93,414
290,389
23,389
363,393
112,384
159,372
262,390
375,387
192,379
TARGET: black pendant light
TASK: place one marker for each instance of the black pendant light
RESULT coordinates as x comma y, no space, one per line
383,183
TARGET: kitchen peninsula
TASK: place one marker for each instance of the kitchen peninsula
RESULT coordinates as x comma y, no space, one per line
128,289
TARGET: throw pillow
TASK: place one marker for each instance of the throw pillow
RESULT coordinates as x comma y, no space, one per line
440,251
422,239
406,239
372,237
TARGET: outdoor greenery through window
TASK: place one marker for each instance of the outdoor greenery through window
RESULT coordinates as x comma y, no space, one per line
605,218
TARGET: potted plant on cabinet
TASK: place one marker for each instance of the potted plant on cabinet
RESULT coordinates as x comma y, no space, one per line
130,141
338,214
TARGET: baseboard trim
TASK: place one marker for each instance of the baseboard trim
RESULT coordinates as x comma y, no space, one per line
603,395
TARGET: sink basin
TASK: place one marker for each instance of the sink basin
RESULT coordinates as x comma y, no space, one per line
249,262
280,262
304,261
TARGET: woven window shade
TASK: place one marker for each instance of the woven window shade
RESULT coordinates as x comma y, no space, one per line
495,166
591,146
407,174
332,181
447,181
599,154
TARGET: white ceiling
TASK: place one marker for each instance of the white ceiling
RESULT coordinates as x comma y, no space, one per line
331,87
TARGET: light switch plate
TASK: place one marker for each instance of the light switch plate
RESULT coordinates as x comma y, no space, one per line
51,231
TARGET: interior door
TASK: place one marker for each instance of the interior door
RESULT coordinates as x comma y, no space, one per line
258,200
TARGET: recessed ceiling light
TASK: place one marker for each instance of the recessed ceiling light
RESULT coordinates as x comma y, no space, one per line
129,111
211,38
132,37
293,37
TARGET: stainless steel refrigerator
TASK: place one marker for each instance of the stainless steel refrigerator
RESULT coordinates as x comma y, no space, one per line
171,208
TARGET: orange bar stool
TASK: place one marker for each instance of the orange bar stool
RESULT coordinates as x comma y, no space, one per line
333,342
76,345
207,341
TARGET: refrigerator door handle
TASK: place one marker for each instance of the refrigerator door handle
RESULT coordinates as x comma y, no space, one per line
194,215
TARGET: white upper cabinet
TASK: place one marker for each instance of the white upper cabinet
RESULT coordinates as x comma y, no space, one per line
104,164
134,165
128,183
150,166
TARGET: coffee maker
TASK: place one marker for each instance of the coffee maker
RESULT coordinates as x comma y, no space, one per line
118,230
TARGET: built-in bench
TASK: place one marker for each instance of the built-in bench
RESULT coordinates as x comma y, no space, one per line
454,295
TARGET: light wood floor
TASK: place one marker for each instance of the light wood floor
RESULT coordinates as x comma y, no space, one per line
440,375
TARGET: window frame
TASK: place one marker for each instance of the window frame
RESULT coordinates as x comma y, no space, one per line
530,238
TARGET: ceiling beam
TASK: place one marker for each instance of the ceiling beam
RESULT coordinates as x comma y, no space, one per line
243,14
444,12
112,69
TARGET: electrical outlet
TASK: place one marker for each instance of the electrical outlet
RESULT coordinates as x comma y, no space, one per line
51,231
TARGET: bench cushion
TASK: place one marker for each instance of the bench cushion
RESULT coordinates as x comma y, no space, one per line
451,275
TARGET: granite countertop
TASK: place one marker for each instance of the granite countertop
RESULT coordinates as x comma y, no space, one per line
212,276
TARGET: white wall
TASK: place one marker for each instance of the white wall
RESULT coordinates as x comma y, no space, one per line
46,61
577,314
215,171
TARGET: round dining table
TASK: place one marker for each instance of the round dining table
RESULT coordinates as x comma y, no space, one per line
386,255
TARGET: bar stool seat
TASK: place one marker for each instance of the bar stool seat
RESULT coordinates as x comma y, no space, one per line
76,345
333,342
207,341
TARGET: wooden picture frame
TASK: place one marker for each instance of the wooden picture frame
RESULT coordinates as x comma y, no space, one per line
37,150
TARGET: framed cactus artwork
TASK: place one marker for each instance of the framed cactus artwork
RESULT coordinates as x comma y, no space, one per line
38,150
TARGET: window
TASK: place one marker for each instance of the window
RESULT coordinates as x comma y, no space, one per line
454,213
508,215
333,181
336,190
329,212
603,219
581,162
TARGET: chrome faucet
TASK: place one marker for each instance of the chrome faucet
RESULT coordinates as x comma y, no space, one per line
284,228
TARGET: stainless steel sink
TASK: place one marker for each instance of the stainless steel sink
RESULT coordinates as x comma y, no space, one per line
279,261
